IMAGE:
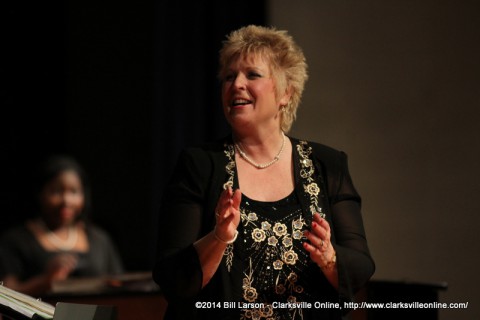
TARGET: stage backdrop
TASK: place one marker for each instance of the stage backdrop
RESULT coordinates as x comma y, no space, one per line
395,84
123,88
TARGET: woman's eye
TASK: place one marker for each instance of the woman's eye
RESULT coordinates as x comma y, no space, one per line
253,75
229,77
75,191
55,191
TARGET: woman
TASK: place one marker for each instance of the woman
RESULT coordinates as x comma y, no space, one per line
264,221
58,243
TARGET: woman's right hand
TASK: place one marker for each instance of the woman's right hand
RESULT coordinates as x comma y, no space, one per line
58,268
228,214
61,265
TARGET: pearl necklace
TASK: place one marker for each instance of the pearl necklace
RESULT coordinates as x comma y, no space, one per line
260,165
59,243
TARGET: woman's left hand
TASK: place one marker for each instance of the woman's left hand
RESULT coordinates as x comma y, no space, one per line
319,245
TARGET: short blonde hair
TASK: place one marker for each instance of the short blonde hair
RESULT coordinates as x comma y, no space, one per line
287,62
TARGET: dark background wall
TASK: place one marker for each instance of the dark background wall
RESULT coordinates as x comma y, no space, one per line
123,88
32,94
79,81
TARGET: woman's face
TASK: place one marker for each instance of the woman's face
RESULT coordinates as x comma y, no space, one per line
62,199
249,94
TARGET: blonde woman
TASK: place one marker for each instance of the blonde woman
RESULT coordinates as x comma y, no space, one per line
261,225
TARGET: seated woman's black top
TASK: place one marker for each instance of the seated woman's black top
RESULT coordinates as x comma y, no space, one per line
24,257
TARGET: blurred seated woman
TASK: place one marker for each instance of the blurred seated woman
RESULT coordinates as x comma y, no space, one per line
58,243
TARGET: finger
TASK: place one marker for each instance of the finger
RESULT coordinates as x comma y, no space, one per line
311,249
223,204
62,262
315,240
315,253
226,196
70,265
236,199
225,223
321,221
230,191
68,259
324,223
319,231
233,203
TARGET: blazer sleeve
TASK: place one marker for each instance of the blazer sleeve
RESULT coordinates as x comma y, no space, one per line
354,262
177,269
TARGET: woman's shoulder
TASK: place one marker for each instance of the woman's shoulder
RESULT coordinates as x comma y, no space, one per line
16,233
332,161
322,151
97,233
207,148
204,155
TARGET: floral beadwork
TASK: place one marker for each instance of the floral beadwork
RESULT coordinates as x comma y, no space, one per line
230,167
275,235
274,252
229,151
278,264
290,257
271,243
266,225
307,171
258,235
249,292
280,229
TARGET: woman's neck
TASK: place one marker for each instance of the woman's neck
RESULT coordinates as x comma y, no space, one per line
261,152
259,140
55,227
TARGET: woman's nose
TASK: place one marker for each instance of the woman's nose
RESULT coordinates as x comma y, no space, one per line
240,81
67,197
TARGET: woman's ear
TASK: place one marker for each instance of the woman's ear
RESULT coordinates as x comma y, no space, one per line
285,97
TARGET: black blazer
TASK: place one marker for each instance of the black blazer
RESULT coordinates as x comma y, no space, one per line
187,214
